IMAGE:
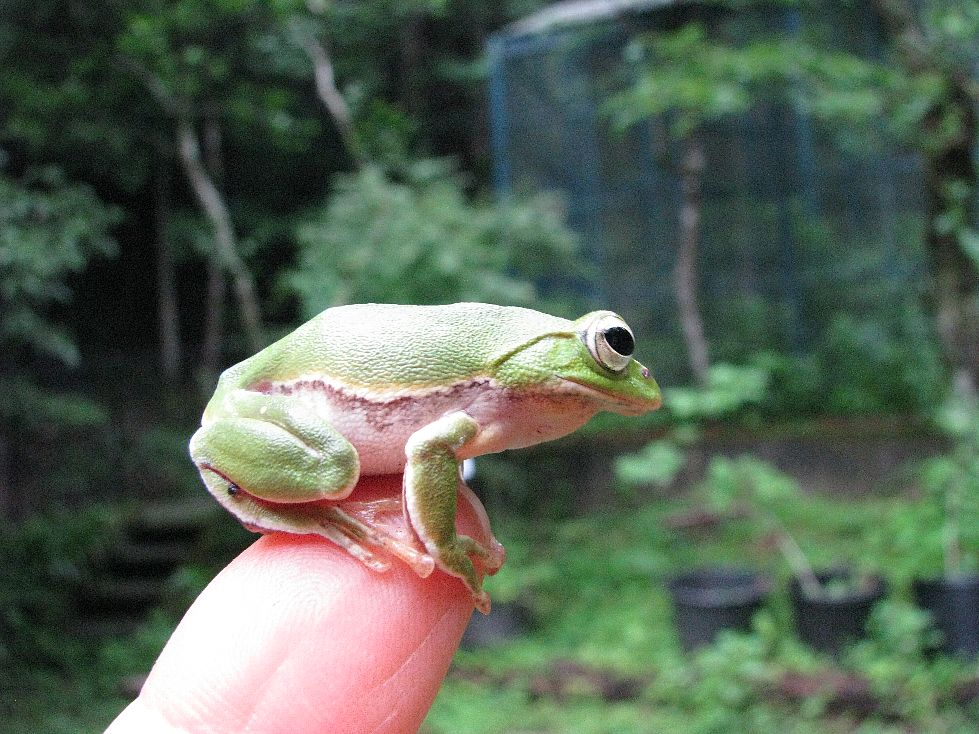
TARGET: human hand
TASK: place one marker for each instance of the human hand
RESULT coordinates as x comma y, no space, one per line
296,635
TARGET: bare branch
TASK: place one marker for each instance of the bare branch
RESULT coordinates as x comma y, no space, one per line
209,198
328,92
225,241
172,105
685,269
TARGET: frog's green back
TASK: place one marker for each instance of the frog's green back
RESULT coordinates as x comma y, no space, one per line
387,346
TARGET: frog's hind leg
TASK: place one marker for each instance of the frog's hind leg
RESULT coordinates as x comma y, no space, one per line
421,563
276,464
258,517
276,448
329,521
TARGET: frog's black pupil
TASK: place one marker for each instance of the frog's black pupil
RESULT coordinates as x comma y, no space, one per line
620,340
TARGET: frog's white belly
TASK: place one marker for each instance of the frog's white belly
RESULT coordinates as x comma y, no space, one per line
379,424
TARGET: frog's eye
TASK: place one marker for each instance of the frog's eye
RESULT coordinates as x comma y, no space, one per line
610,341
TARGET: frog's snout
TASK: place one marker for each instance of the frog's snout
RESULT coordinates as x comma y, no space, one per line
647,396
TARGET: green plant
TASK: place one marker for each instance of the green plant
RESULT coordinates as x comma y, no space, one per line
938,534
754,489
46,561
894,659
728,389
953,483
49,230
421,240
658,463
722,687
871,366
746,488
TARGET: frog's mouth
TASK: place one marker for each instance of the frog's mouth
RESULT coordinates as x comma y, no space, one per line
623,404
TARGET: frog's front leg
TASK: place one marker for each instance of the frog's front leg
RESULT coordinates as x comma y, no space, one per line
268,458
431,482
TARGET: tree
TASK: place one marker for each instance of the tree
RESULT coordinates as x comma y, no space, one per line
211,66
922,95
49,230
692,83
421,240
936,44
184,54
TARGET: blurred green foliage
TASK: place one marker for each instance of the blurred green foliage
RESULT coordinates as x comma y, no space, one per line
657,463
729,391
694,80
913,95
937,533
46,561
896,660
602,655
734,483
421,240
596,582
90,96
49,230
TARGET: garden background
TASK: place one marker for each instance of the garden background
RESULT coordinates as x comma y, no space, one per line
780,198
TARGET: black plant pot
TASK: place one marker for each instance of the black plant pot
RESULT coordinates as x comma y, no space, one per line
954,606
838,616
506,621
708,600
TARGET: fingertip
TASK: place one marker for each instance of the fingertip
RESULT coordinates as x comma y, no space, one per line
296,635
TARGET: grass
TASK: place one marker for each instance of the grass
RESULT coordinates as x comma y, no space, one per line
596,586
603,656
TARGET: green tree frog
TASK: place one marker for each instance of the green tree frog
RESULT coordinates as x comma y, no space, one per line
413,390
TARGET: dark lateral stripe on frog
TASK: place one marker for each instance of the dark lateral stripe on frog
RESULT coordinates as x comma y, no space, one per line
382,410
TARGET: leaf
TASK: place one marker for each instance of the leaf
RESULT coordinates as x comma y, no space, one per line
969,242
657,463
49,230
729,388
420,239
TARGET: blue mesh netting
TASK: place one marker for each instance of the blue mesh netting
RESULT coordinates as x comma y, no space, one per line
796,229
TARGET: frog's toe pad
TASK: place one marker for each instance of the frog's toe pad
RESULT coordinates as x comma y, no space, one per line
482,601
494,558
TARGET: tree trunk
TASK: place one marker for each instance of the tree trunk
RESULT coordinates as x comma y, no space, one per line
217,283
166,277
213,320
685,271
954,276
412,58
954,283
225,241
8,498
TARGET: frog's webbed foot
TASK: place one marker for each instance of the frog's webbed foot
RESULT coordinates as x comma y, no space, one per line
359,534
431,485
493,555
